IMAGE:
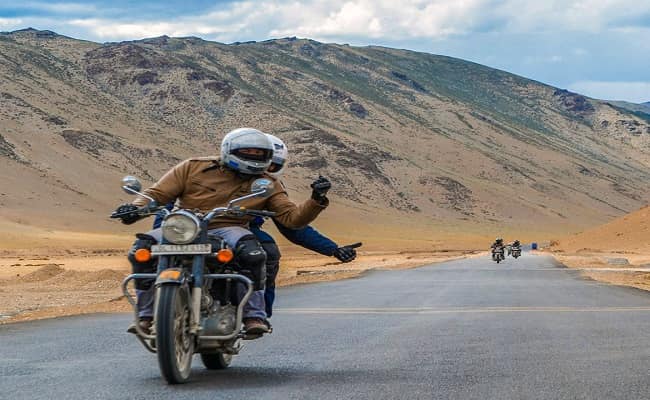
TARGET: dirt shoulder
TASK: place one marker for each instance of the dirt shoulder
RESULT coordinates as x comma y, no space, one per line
618,268
88,281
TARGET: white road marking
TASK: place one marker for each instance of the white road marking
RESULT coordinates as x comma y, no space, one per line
433,310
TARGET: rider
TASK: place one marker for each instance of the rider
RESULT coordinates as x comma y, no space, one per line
497,245
209,182
306,237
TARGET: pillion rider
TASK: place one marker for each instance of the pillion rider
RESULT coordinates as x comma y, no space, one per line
307,237
208,182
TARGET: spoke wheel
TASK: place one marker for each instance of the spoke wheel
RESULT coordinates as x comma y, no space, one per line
173,339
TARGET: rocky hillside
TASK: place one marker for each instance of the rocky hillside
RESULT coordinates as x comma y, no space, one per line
432,138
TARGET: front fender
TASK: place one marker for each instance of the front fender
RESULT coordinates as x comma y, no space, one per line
170,275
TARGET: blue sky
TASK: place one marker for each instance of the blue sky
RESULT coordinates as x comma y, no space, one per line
597,47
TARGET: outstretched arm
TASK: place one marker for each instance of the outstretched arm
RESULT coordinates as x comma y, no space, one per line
308,238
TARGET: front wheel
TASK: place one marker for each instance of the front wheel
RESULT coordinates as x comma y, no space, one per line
216,360
175,344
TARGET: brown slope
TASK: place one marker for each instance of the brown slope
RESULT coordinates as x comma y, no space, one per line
630,233
411,136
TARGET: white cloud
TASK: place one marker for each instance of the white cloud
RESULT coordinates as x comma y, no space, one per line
59,8
568,15
11,23
637,92
372,19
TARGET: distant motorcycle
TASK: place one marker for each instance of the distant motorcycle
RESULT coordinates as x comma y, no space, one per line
516,252
498,254
196,308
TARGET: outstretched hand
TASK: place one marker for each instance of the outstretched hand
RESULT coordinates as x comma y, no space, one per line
346,253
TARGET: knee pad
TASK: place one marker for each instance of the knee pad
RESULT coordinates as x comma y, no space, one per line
272,262
251,259
142,242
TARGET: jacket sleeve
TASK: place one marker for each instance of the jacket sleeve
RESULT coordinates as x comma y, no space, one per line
308,238
289,214
169,187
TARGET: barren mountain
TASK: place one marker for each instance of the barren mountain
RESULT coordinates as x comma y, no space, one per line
412,137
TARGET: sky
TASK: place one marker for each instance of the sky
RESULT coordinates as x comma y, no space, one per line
600,48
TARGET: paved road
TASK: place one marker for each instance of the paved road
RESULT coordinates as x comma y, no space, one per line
468,329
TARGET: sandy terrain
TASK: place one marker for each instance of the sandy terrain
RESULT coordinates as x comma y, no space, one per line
84,281
617,252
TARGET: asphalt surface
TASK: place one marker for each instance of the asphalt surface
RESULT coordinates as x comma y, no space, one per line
469,329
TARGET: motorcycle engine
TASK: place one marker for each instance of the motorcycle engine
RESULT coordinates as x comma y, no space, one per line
221,321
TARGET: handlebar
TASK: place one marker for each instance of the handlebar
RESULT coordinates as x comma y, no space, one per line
235,211
142,211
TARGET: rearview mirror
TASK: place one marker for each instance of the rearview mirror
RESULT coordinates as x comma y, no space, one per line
131,184
262,187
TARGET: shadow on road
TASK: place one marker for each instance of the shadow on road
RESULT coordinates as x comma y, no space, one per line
237,378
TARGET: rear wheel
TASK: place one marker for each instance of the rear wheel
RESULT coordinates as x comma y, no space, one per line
216,360
175,344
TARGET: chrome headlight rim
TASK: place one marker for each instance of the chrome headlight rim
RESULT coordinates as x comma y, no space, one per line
192,227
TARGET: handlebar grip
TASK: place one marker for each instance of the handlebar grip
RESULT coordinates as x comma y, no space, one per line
143,211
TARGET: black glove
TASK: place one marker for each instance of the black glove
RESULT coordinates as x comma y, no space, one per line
345,254
127,213
320,188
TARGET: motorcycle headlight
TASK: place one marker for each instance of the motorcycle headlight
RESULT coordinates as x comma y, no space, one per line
180,228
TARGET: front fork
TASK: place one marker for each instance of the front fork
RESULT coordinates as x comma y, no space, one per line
196,287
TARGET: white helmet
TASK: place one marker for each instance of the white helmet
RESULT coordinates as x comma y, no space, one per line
233,157
280,157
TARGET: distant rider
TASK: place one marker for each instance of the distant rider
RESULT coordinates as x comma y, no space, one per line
497,246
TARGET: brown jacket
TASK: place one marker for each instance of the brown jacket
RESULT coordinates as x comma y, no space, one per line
203,184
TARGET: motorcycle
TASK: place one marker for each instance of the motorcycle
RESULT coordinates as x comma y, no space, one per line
196,308
516,252
498,254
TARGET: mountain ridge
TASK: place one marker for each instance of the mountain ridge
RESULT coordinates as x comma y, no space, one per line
425,137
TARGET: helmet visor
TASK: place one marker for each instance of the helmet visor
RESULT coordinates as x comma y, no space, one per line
275,167
254,154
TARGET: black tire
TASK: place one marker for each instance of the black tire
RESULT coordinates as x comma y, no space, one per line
175,345
216,360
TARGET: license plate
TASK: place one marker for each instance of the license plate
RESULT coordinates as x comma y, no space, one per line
173,249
